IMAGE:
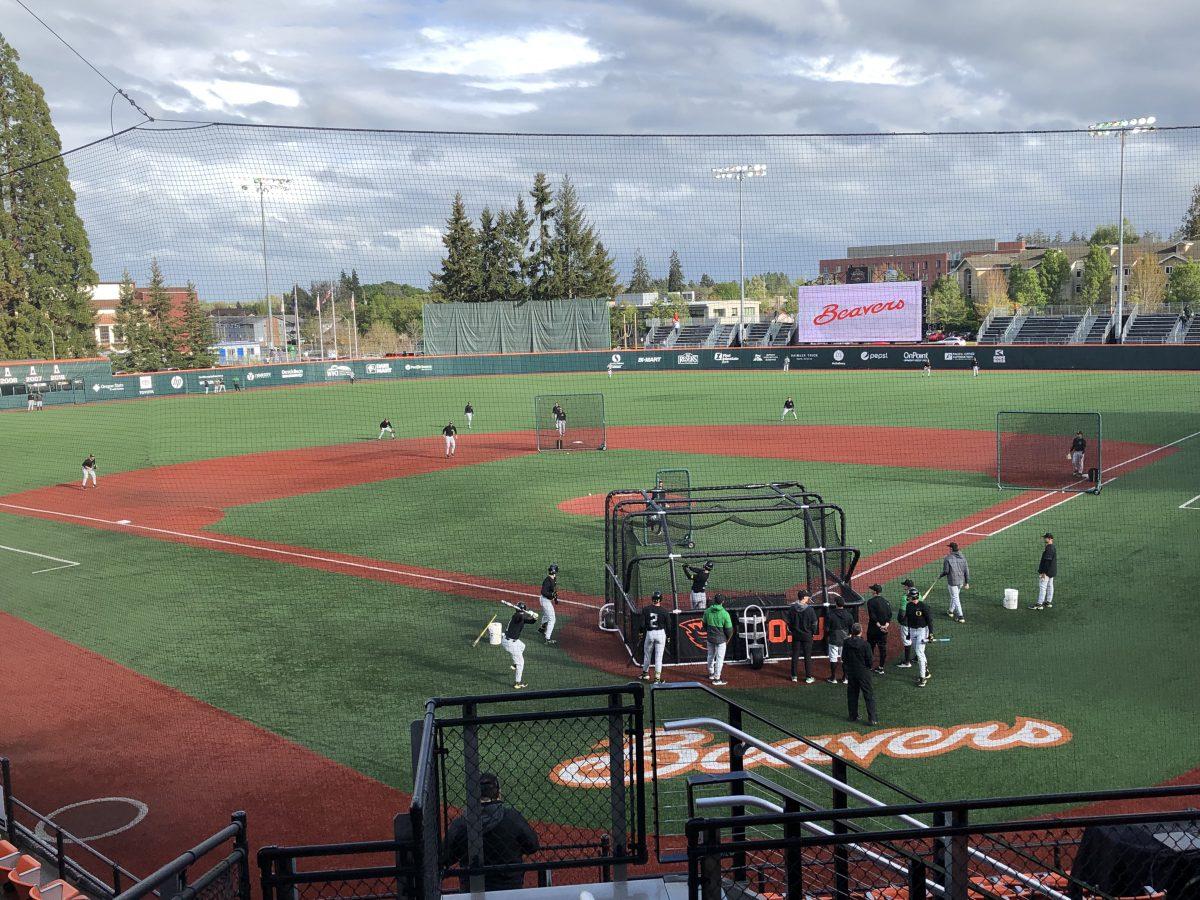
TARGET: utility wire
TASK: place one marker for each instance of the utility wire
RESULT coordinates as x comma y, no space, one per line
86,61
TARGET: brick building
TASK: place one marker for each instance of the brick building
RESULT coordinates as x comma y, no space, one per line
925,262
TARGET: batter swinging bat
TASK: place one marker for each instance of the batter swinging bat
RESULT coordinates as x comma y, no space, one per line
475,643
514,606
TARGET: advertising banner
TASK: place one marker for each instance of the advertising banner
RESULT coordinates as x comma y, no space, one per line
859,313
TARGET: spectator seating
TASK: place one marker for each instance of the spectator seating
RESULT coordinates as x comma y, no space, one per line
9,857
1046,330
783,335
1192,335
995,330
723,335
55,890
1150,329
1097,333
25,876
694,335
756,334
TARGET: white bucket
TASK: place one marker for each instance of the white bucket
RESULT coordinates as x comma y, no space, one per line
495,630
1010,598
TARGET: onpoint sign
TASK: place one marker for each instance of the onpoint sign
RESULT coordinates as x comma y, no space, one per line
854,313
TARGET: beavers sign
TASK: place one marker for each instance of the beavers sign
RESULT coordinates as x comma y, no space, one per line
859,313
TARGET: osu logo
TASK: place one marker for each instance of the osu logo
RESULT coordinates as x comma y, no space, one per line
694,632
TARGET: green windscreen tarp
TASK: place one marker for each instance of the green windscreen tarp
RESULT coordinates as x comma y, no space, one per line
530,327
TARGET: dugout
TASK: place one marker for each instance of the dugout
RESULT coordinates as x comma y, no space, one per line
765,540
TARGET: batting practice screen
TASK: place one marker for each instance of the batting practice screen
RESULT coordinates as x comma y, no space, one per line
1052,450
581,426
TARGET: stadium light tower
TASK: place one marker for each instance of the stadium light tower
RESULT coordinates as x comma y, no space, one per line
740,173
1122,128
264,185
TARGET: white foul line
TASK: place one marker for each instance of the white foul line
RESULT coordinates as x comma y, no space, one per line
66,562
1188,505
292,553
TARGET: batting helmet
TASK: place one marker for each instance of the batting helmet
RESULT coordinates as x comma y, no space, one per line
656,596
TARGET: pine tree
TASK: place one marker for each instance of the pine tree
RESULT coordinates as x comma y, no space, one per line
541,263
640,282
1190,229
41,225
132,332
491,264
195,333
458,281
515,240
162,332
602,273
1097,277
674,273
573,245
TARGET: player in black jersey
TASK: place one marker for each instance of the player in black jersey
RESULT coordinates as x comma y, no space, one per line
699,583
449,433
89,471
655,620
514,645
560,426
789,406
469,412
385,427
549,599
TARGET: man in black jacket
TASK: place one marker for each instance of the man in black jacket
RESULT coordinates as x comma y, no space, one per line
507,838
802,625
879,619
856,662
1047,570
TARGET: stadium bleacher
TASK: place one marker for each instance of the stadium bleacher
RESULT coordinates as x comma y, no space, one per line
783,335
1192,335
1047,330
1098,333
1151,329
723,335
694,334
995,330
756,334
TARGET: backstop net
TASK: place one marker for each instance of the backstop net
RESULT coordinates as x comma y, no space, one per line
580,426
1051,450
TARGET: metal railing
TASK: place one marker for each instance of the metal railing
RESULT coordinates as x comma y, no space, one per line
360,870
226,879
75,859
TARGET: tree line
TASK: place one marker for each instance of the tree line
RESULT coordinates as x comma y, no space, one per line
155,335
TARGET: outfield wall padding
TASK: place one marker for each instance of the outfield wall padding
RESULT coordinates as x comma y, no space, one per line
530,327
101,384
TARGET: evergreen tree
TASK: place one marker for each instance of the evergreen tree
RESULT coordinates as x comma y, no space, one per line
458,280
674,273
541,261
581,267
1097,277
602,274
132,332
640,282
1053,273
162,329
706,280
46,261
515,239
491,266
195,333
1190,229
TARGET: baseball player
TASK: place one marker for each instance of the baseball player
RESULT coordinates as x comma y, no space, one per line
30,401
789,406
654,625
658,496
958,578
513,644
975,369
902,619
802,626
837,628
560,425
549,599
718,628
385,427
920,632
879,620
469,412
699,578
89,471
450,434
1078,449
1047,570
41,399
787,363
927,369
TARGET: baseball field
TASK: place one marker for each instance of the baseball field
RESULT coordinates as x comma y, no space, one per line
255,601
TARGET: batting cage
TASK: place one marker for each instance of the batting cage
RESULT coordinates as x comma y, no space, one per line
765,541
1052,450
569,421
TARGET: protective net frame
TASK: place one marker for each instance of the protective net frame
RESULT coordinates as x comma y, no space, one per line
1033,450
766,541
585,429
676,494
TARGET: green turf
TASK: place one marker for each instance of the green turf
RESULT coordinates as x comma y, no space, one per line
342,664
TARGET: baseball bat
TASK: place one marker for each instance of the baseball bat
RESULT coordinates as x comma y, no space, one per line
942,640
930,591
475,643
514,606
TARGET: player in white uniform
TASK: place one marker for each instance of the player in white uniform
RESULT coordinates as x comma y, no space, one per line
549,599
654,624
513,644
385,427
450,434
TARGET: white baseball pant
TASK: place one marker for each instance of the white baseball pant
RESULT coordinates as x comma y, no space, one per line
699,599
716,660
89,473
1045,590
560,426
1077,462
470,416
785,413
919,636
652,651
451,443
516,649
548,616
383,431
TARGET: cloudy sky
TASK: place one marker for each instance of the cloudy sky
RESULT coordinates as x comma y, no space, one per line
670,66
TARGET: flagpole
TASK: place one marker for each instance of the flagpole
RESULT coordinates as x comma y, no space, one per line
333,306
354,320
296,316
320,326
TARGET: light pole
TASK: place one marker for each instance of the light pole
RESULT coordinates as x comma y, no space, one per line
263,185
1121,128
740,173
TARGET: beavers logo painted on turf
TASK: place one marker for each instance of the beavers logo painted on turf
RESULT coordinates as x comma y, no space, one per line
695,751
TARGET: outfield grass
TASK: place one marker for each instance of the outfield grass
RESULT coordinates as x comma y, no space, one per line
342,664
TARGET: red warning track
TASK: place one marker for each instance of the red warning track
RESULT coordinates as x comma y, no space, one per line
100,728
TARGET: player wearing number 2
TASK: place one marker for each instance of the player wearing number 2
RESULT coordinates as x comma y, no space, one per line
654,624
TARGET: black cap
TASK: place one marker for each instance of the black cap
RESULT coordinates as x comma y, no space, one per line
1048,535
708,564
719,599
489,778
908,582
553,568
877,588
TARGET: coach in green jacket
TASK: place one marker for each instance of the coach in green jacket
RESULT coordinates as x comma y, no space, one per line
718,629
